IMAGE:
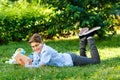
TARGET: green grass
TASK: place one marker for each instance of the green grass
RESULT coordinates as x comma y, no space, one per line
108,69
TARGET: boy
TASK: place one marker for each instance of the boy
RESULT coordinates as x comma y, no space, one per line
45,55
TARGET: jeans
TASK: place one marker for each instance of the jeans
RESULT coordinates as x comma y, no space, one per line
82,59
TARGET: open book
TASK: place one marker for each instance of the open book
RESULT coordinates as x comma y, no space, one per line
22,59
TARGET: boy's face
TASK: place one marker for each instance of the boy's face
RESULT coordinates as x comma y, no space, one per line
36,46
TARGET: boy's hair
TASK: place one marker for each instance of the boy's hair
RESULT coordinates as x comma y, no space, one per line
35,38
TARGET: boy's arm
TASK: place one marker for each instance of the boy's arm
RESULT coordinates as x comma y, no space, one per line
45,58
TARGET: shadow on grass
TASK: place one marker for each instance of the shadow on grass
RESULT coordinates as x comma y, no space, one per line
73,44
111,61
111,42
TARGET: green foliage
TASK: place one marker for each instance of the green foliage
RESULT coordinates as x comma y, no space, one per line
21,18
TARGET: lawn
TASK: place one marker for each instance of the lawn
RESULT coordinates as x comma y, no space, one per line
108,69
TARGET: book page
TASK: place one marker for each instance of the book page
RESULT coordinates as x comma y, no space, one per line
23,59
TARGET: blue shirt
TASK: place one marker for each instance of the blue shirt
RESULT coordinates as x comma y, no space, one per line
49,56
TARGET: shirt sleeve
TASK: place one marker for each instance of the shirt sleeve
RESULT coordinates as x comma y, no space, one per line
31,56
45,58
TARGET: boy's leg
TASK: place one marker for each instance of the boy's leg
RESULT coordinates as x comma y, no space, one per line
93,50
83,43
81,60
95,58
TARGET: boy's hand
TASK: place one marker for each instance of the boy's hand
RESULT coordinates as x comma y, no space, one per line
29,62
20,62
